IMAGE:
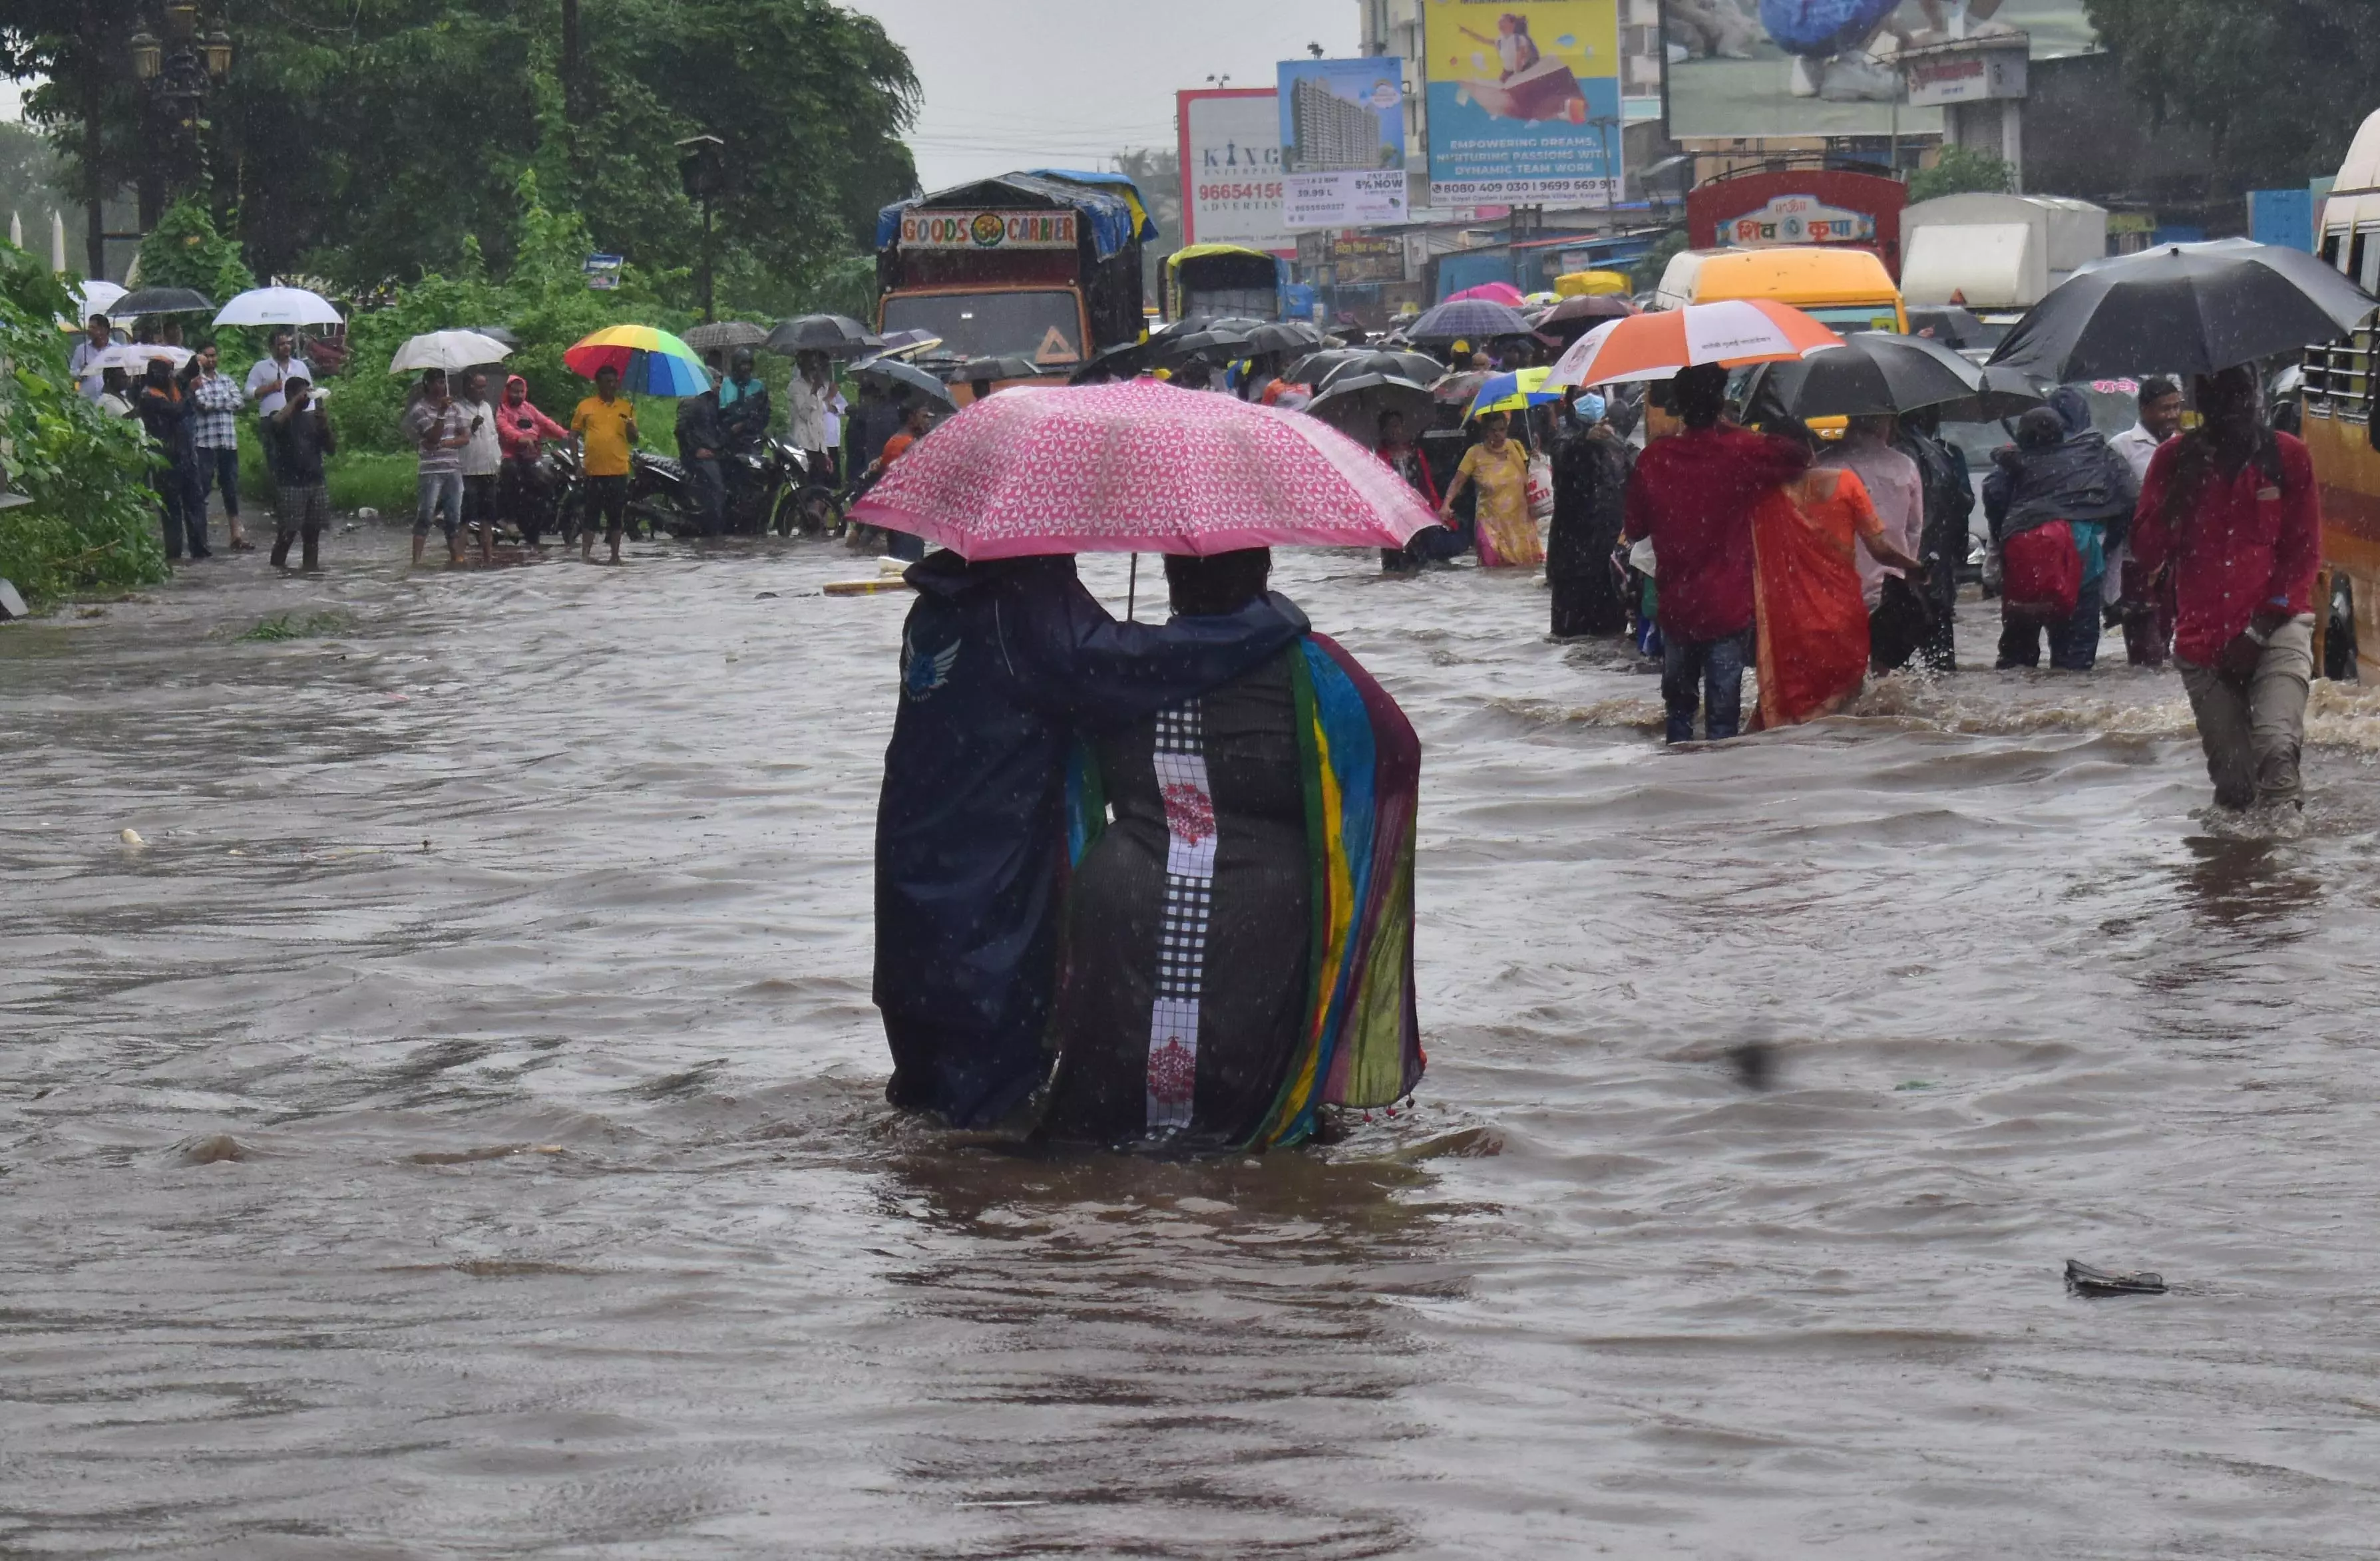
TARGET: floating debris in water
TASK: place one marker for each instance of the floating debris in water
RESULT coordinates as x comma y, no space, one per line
132,837
2084,1279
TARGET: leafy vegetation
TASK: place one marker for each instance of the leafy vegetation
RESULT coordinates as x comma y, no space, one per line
1962,170
371,142
185,250
89,524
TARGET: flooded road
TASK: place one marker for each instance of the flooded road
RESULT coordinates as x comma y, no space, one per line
457,1130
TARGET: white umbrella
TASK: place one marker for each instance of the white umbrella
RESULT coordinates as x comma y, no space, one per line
96,296
449,350
133,356
279,305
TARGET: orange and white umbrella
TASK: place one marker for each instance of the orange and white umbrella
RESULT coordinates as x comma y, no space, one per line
1733,335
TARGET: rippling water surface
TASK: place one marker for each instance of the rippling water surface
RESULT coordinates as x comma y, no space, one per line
457,1131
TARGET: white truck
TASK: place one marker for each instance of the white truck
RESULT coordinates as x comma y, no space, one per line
1995,254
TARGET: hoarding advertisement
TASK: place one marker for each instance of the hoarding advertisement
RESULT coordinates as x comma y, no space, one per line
1847,67
1231,168
1524,101
1343,142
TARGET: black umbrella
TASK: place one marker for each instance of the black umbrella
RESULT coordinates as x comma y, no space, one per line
836,334
2004,393
2173,311
1871,373
1474,319
893,372
1284,336
1353,403
1222,341
1122,362
162,300
1321,369
1007,366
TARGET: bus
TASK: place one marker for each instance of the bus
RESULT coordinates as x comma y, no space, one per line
1846,288
2343,435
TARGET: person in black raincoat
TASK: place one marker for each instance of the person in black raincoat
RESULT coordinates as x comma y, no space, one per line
2061,468
1001,664
1590,463
1942,541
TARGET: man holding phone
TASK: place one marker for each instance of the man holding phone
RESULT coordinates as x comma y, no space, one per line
297,437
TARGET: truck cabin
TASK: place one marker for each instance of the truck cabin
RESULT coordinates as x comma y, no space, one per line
1220,281
1028,266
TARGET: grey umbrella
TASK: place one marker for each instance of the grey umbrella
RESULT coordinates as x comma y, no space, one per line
1284,336
163,300
1353,403
1322,369
836,334
892,372
2176,310
727,334
1871,373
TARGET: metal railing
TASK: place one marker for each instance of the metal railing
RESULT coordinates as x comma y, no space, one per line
2339,383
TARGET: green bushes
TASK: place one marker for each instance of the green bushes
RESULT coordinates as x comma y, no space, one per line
92,523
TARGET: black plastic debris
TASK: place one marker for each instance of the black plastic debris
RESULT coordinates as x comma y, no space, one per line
2084,1279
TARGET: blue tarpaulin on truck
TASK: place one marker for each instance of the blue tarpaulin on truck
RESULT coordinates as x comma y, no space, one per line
1116,217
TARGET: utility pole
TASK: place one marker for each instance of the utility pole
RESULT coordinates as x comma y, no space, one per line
702,171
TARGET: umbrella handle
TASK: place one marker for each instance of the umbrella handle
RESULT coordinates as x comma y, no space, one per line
1132,588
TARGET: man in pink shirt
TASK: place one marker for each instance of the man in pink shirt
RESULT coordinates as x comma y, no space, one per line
2229,511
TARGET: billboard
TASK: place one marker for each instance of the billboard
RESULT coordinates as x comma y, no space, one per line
1524,101
1231,168
1831,67
1343,142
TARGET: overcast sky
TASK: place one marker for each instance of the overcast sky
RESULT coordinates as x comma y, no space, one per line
1041,83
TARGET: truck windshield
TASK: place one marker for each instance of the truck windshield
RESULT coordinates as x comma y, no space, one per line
1046,327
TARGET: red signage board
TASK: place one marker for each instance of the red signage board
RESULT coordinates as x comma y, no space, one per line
1800,206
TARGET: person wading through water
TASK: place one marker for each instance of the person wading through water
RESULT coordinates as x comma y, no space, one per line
2230,514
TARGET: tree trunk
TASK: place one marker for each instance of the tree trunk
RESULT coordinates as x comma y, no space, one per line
94,178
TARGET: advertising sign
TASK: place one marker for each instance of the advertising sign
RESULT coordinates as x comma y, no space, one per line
1962,73
1230,169
1343,142
602,272
988,230
1797,218
1834,68
1524,101
1798,206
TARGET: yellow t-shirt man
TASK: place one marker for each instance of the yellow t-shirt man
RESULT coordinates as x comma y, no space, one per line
603,427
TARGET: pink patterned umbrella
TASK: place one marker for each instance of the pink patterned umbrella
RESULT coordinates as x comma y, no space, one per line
1492,292
1139,467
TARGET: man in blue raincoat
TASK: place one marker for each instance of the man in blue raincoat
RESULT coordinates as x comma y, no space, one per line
1000,663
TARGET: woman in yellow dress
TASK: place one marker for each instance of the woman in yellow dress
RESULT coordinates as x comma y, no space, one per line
1499,469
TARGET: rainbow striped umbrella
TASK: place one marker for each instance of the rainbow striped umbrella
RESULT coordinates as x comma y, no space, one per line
651,362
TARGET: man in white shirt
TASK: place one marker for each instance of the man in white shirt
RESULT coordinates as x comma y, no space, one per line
2148,623
268,374
1896,488
87,373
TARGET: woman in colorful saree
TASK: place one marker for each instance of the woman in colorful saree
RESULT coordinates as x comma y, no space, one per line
1238,946
1811,619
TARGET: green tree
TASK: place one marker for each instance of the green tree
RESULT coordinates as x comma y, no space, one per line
2281,85
29,182
1962,170
185,251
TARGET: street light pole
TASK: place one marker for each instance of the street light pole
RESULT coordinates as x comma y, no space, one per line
180,71
702,170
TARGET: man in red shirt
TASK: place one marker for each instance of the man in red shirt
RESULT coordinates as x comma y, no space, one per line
2229,510
1693,493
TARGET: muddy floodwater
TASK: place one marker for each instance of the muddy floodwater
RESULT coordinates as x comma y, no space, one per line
457,1130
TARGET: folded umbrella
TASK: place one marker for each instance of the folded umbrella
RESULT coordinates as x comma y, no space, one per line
892,372
1871,374
1735,333
2175,311
163,300
278,306
1474,320
1139,467
651,362
838,335
450,350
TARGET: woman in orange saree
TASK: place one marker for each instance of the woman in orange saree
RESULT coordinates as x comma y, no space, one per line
1812,621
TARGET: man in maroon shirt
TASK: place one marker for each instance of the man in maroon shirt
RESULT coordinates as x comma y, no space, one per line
2229,510
1693,493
